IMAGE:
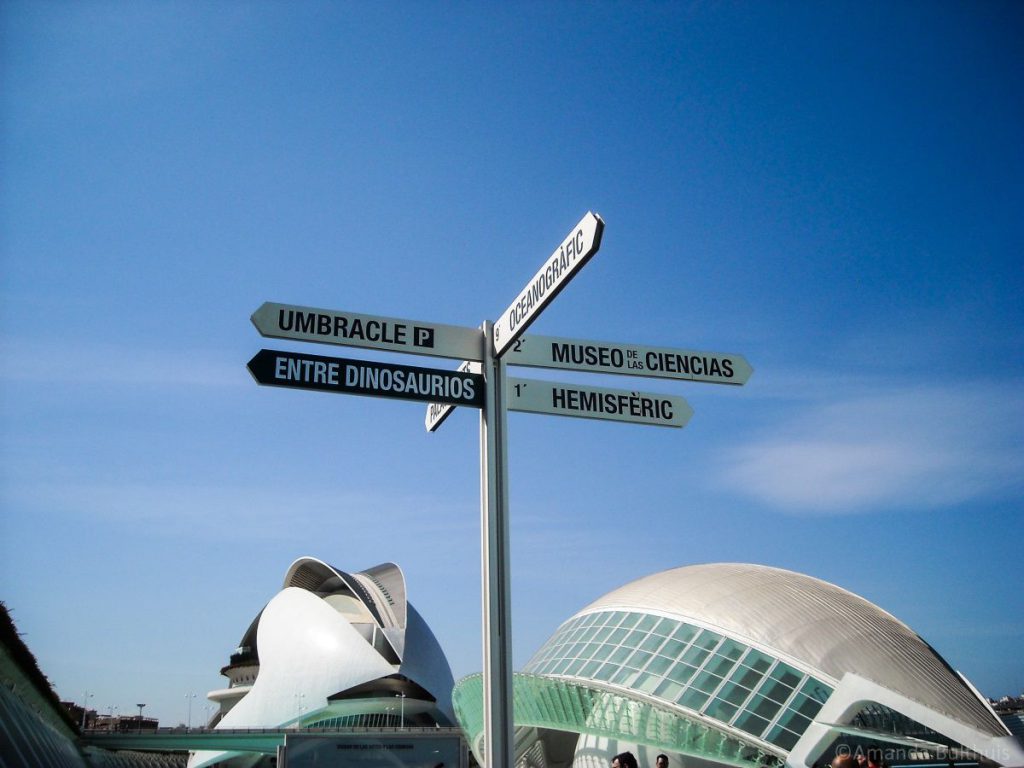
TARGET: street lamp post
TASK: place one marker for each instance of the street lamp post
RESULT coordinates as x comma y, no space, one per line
85,707
188,698
401,719
140,706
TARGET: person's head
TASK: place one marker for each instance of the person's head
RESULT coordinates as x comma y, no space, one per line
624,760
844,761
874,755
661,761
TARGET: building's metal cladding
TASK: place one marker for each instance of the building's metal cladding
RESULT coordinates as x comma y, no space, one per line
744,665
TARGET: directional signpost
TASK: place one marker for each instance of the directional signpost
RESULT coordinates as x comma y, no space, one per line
482,382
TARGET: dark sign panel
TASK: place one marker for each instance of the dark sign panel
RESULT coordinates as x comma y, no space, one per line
365,377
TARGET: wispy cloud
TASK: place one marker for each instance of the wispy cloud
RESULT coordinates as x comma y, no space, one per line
921,445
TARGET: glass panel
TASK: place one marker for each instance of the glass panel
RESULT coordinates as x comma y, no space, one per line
638,659
606,671
603,652
751,723
682,673
672,648
668,690
631,620
624,676
666,627
706,682
775,690
805,706
731,649
786,675
652,643
733,693
693,699
619,654
617,636
695,655
757,660
766,708
708,640
574,667
684,633
647,683
635,638
589,668
816,690
616,618
720,710
575,649
746,677
782,737
794,721
720,665
659,665
647,623
601,636
589,634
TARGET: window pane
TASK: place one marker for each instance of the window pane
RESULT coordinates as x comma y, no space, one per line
666,627
746,677
706,682
805,706
617,635
606,671
782,737
816,690
652,643
693,699
751,723
668,690
684,633
619,654
734,694
720,710
574,667
589,668
659,665
647,623
776,691
603,652
682,673
672,648
757,660
794,721
647,683
708,640
638,659
616,618
731,649
787,675
631,619
695,655
624,676
763,707
720,665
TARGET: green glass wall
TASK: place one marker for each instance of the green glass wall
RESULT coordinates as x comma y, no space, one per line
686,666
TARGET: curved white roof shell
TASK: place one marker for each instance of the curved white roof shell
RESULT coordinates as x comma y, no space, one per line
818,625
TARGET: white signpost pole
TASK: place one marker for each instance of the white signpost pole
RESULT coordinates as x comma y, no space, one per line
495,566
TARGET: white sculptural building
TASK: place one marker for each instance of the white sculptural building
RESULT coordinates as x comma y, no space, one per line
333,649
741,665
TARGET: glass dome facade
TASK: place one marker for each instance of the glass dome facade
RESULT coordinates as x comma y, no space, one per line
688,666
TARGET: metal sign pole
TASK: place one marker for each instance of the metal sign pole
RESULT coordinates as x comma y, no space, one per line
495,568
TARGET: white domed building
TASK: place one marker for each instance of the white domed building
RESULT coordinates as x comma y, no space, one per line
741,665
333,649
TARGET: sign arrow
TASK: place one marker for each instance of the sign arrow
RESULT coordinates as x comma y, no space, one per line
628,359
560,267
553,397
329,326
365,377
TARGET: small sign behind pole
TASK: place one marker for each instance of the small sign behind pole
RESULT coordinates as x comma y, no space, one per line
628,359
365,377
566,261
438,412
561,399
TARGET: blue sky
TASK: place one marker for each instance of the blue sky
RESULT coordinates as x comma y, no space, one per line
831,190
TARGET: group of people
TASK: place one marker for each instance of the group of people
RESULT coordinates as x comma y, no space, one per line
869,758
628,760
